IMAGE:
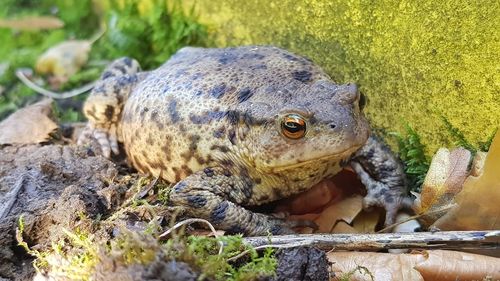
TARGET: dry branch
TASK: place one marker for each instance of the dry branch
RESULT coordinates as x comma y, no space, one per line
378,241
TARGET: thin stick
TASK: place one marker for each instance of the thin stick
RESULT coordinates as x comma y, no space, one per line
440,210
50,94
379,241
10,202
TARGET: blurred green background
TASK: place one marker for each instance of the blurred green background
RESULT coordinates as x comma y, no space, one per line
431,64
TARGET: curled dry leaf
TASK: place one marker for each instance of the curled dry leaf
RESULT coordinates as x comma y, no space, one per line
478,163
477,205
64,59
451,265
32,23
429,265
443,181
28,125
368,266
312,200
366,222
335,205
345,210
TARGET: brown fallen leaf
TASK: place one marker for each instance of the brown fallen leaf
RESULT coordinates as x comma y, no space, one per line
450,266
361,266
478,163
28,125
366,222
428,265
311,200
332,204
64,59
32,23
343,227
345,210
443,181
477,205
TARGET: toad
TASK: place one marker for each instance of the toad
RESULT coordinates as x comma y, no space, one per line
240,127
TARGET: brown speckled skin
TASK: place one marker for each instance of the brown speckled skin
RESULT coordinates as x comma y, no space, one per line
209,119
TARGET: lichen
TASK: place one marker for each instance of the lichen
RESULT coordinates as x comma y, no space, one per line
415,60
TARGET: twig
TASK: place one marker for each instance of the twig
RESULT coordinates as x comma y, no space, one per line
379,241
291,245
14,192
50,94
141,194
439,210
190,221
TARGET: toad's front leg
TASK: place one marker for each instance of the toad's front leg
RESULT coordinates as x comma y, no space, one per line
215,194
104,105
383,175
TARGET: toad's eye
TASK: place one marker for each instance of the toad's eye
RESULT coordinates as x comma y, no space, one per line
293,126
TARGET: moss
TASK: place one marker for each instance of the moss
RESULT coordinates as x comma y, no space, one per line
80,256
412,152
415,60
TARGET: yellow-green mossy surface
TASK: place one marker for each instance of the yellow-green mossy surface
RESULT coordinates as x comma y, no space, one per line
414,60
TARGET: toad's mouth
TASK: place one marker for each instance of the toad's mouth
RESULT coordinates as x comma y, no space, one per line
337,157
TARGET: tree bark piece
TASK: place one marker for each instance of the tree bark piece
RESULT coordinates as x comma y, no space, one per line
417,240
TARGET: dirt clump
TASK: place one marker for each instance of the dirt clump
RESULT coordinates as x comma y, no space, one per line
52,187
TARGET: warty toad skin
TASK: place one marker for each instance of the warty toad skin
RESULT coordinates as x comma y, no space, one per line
240,127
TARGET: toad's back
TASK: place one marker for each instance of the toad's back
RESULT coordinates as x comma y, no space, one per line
184,115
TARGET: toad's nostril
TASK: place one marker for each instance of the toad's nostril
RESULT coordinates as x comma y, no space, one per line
332,125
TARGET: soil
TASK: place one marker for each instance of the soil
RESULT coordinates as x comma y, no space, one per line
304,263
56,188
62,187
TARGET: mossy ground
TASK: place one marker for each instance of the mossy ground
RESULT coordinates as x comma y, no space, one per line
83,255
415,60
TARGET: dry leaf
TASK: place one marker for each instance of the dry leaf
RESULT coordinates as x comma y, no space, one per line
443,181
32,23
450,265
477,205
28,125
366,222
311,200
345,210
332,204
429,266
343,227
64,59
478,163
380,266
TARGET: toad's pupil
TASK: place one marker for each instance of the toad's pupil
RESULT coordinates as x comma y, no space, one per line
293,127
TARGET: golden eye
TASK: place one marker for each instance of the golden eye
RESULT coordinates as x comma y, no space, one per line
293,126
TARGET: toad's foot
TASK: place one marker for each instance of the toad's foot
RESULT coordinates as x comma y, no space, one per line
103,107
106,138
217,195
382,173
381,195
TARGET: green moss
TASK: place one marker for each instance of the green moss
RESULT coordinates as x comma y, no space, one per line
149,30
460,140
415,60
203,252
77,256
412,152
